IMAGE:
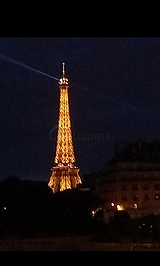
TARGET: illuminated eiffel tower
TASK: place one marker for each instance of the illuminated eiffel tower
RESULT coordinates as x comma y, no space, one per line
65,175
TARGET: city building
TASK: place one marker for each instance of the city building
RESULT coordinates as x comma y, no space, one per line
132,180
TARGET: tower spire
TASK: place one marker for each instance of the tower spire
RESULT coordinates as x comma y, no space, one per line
63,70
65,175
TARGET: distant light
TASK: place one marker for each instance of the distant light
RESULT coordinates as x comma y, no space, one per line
93,213
112,204
120,207
135,206
5,208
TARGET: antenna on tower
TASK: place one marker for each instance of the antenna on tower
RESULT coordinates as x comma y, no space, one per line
63,70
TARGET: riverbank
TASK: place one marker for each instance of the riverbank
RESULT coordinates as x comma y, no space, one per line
72,244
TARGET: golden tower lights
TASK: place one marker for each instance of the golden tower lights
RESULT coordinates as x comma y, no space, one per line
65,175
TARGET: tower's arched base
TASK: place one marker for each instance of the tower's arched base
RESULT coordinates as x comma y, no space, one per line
63,178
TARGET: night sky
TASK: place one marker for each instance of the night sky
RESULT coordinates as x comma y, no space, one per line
114,95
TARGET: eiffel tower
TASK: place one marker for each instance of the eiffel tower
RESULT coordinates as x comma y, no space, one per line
65,174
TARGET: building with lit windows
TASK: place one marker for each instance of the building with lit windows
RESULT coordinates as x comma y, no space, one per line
132,181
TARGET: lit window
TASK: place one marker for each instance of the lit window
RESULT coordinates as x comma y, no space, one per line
157,196
135,206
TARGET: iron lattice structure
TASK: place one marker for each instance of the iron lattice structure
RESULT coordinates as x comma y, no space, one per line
65,175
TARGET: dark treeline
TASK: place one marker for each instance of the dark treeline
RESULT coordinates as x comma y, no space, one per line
29,209
122,228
